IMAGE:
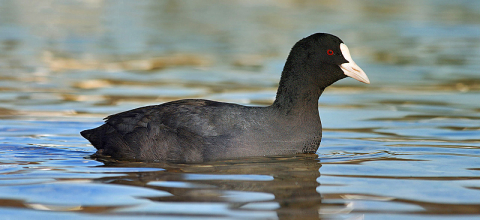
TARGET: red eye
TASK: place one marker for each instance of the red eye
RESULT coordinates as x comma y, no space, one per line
330,52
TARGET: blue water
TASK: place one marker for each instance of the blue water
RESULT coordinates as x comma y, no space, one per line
407,146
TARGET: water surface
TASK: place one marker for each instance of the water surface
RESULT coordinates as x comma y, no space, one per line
406,146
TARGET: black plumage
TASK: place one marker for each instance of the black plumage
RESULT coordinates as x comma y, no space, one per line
195,130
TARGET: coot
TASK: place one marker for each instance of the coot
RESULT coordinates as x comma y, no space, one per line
196,130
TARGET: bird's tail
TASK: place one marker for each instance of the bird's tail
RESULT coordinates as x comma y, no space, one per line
94,136
108,142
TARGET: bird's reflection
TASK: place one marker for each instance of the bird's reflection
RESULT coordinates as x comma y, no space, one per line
283,185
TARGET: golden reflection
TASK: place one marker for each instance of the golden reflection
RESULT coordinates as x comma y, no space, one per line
426,117
57,64
426,208
92,84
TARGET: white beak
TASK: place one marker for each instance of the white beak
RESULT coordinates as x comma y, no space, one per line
351,68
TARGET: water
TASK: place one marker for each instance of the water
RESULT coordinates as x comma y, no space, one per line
405,147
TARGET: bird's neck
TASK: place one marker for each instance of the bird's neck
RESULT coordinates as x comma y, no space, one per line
297,94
